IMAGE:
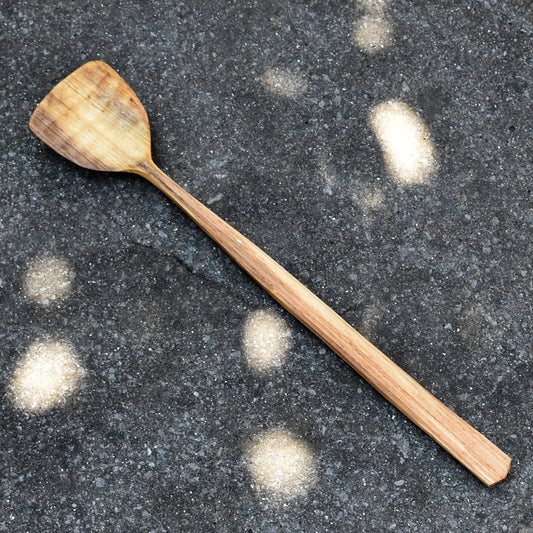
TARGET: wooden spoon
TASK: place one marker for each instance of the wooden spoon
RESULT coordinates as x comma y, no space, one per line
94,119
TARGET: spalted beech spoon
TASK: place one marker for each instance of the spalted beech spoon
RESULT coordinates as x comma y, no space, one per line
94,119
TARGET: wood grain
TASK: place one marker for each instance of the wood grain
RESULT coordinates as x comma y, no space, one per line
94,119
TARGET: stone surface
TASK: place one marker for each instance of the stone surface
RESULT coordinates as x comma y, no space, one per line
261,110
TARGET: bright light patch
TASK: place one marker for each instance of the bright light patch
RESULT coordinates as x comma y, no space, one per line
48,373
405,140
266,340
372,33
282,466
47,280
284,82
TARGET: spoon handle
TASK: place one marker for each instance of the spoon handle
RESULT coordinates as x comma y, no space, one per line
468,446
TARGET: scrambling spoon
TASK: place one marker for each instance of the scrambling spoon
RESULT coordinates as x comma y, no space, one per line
94,119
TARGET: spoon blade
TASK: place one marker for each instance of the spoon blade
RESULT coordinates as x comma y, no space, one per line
94,119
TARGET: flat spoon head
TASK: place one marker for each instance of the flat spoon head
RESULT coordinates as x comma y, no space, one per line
94,119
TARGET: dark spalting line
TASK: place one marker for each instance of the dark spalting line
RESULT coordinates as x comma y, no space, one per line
67,149
51,101
42,116
46,128
94,73
130,105
121,100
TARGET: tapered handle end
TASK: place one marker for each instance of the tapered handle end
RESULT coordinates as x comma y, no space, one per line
499,470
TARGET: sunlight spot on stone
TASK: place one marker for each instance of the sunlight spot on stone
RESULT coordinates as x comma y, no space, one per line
370,320
48,279
45,377
327,175
284,82
368,198
405,141
266,340
282,466
372,33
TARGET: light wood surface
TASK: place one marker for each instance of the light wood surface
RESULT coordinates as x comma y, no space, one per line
94,119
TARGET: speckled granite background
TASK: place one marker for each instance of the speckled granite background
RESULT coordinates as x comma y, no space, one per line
437,274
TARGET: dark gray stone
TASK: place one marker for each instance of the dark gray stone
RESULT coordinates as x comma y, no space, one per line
438,275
